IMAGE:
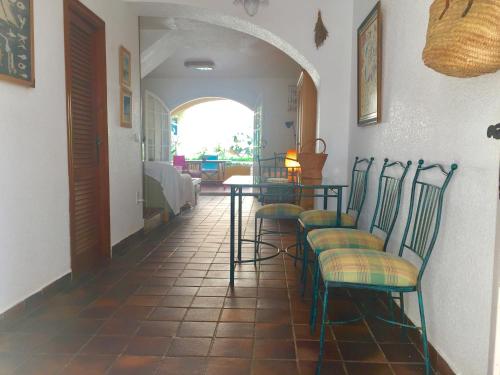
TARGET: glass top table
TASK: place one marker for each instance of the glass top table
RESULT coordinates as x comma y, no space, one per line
242,186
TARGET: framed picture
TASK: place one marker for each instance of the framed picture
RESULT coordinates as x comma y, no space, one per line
17,61
126,108
370,68
125,67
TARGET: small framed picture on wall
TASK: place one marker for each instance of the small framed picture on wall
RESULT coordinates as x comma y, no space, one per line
126,108
125,67
370,68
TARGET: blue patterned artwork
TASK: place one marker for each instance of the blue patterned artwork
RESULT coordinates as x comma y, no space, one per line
16,41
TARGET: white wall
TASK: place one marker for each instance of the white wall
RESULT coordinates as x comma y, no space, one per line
440,119
34,219
274,94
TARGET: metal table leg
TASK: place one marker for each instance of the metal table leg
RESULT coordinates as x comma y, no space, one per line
240,209
232,239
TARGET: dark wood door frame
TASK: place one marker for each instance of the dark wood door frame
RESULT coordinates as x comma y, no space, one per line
99,88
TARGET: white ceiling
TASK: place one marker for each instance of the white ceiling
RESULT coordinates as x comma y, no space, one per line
236,55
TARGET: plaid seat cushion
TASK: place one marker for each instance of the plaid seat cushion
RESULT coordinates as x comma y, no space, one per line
338,238
367,267
323,218
279,211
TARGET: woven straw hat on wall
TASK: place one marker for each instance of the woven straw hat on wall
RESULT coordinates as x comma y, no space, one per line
463,38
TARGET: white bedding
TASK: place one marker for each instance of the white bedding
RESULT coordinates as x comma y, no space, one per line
178,188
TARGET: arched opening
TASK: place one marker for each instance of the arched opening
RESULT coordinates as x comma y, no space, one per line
213,126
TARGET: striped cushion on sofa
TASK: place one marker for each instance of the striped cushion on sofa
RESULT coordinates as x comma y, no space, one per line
367,267
338,238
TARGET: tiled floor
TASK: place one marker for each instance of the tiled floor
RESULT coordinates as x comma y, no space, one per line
165,308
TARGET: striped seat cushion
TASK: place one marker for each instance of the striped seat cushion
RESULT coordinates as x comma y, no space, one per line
367,267
322,218
279,211
337,238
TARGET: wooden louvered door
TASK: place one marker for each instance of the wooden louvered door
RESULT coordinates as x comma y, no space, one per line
87,137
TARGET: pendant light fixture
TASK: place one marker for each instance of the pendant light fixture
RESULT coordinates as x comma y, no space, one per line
251,6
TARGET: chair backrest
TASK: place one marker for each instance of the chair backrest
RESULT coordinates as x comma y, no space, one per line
207,166
359,184
180,161
423,224
284,185
390,189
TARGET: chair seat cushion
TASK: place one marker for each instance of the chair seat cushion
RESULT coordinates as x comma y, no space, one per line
338,238
367,267
323,218
279,211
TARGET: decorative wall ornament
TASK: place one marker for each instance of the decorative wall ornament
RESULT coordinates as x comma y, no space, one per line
292,98
320,31
125,67
17,62
370,68
125,108
251,6
463,38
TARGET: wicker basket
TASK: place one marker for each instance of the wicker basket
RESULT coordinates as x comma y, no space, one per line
463,38
311,163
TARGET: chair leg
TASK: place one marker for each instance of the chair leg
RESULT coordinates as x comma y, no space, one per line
323,329
298,243
425,343
314,303
305,261
255,245
402,317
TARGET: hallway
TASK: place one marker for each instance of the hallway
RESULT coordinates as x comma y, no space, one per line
164,307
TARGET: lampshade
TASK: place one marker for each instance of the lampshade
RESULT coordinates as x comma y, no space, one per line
291,159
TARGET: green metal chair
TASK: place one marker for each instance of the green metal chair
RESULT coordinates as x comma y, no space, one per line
384,272
390,189
280,199
317,219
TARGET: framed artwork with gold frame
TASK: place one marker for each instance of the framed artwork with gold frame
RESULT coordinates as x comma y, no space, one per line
370,68
17,53
125,108
125,67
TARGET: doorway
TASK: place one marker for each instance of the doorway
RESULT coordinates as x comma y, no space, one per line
88,164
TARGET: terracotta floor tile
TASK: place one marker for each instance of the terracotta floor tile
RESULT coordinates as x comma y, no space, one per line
202,315
228,366
274,349
266,367
188,281
183,366
135,365
354,368
408,369
365,352
273,331
189,347
197,329
105,345
309,350
352,332
133,312
119,327
63,345
212,291
238,315
402,353
273,316
89,365
211,302
147,301
240,303
44,365
148,346
243,330
168,313
183,291
239,348
158,329
152,290
177,301
10,361
327,367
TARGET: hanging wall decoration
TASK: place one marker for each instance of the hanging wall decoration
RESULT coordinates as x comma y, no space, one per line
463,38
17,63
370,68
320,31
125,108
125,67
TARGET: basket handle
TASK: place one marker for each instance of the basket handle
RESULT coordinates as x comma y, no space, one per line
314,142
447,5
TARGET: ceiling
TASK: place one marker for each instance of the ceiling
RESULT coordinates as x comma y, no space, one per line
236,55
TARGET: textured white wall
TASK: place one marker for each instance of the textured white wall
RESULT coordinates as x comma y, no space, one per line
34,219
440,119
274,94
